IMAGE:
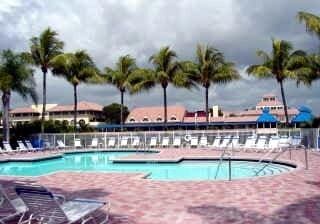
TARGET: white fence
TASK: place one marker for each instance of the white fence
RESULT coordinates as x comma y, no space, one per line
310,137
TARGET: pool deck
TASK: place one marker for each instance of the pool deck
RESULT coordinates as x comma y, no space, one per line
292,197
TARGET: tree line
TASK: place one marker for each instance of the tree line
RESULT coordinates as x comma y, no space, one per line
208,68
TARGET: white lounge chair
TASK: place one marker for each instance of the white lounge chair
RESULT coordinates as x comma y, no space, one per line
261,144
203,141
124,141
225,142
22,147
165,141
30,146
61,145
273,143
112,142
77,143
177,141
249,144
234,143
285,142
153,141
94,143
44,206
296,142
194,141
216,142
11,210
7,147
135,141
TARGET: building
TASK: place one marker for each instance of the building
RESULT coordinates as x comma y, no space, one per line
88,113
179,114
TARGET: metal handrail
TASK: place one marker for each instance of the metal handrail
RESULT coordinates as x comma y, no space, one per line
272,160
220,162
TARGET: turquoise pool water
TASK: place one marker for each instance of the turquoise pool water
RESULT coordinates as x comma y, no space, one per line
101,161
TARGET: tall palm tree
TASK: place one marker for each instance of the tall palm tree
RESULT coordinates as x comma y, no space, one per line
281,64
76,68
166,70
42,50
120,77
210,68
311,21
15,76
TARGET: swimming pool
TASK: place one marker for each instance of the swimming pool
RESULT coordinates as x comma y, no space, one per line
102,162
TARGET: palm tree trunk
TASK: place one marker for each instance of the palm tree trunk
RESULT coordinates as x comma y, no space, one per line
44,98
75,108
284,103
165,106
5,116
207,104
121,111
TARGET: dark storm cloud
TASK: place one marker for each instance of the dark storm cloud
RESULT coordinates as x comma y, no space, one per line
108,29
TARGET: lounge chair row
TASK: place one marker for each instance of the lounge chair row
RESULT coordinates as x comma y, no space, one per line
36,204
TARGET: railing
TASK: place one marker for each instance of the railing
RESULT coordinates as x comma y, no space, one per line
310,136
228,153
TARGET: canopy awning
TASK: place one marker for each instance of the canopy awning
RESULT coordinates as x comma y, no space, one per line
305,115
266,117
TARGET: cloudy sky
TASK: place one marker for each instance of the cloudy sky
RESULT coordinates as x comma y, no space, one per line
108,29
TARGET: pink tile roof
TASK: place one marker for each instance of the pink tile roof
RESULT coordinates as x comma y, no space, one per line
23,110
269,103
152,113
291,111
82,106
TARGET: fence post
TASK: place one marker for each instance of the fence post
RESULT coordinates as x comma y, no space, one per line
105,140
229,168
306,157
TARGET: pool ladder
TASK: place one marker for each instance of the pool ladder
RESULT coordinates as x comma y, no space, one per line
224,153
272,160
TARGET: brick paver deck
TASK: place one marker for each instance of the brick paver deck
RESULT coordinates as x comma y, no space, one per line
292,197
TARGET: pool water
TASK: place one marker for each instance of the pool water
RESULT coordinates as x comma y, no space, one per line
102,161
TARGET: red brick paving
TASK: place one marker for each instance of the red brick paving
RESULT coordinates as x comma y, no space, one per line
292,197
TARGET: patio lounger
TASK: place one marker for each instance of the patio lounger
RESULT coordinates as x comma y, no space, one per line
61,145
165,141
135,141
11,210
273,143
112,142
94,143
30,146
22,147
234,144
249,143
153,141
216,142
203,141
194,141
177,141
44,206
296,142
225,142
261,144
7,147
124,141
285,142
77,143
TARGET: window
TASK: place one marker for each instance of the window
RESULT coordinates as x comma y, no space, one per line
132,120
145,119
159,119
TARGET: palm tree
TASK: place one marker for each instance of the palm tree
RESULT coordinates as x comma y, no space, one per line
166,70
42,50
15,76
311,21
76,68
281,64
120,77
210,68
